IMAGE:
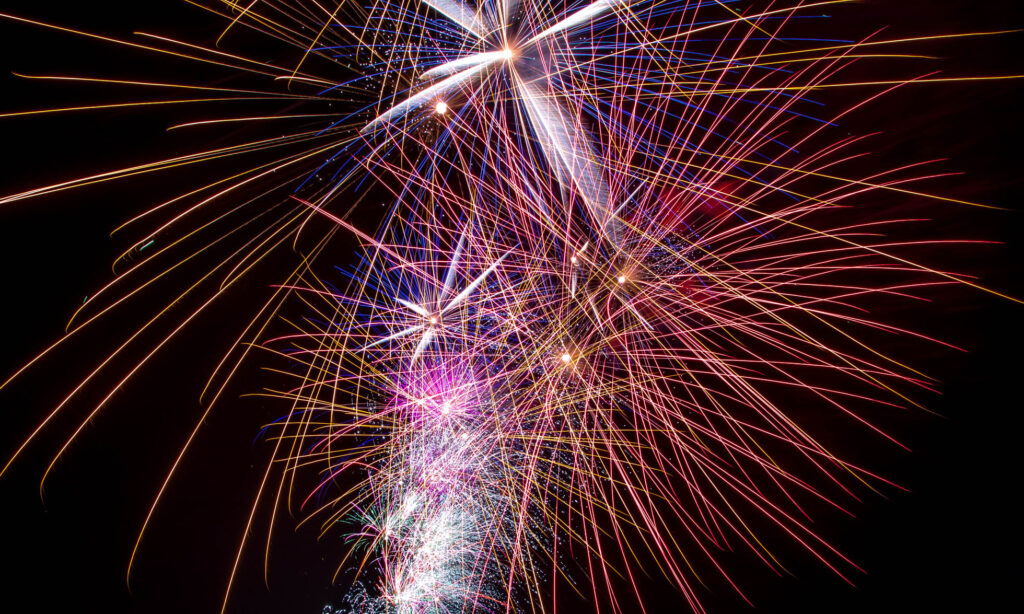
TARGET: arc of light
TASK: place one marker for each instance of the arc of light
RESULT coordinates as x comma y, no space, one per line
486,57
413,306
461,296
571,157
453,266
428,336
460,14
583,15
508,9
424,97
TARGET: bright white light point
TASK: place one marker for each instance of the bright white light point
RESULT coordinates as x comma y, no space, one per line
566,357
509,54
574,260
464,435
622,279
433,319
446,407
441,107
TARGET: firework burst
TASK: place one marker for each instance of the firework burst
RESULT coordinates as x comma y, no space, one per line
619,260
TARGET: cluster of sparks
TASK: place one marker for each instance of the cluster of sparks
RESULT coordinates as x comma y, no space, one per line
620,244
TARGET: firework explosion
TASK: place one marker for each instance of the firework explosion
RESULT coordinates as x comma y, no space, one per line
617,264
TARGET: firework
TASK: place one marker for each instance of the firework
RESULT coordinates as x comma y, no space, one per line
619,243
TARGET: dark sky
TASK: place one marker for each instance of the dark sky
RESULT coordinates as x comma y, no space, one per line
951,542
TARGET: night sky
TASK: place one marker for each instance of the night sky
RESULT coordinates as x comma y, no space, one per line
949,543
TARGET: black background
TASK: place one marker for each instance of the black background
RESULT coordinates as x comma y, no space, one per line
950,543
